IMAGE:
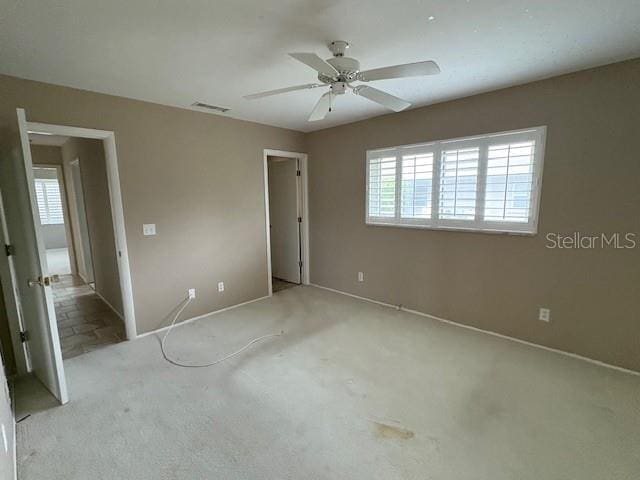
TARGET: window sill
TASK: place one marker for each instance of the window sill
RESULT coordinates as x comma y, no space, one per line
519,233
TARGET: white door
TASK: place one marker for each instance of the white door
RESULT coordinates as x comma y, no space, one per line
12,298
283,217
34,281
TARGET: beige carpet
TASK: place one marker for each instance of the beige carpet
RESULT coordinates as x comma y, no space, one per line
352,391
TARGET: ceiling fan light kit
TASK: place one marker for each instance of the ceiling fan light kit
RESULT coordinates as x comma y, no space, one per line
339,72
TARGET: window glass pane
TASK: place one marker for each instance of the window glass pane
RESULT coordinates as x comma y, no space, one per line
458,183
382,187
509,182
416,188
49,201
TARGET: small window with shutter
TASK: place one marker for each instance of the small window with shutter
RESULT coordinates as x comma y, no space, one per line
486,183
381,187
49,201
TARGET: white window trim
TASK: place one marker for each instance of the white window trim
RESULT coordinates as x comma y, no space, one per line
538,134
49,218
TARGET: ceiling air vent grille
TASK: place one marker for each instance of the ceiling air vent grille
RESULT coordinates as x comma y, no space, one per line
210,107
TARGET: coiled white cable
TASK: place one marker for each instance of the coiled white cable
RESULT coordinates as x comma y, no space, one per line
202,365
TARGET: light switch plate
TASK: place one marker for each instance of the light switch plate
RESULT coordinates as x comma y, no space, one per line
149,229
544,315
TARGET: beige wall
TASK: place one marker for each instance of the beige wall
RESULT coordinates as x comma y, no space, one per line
46,155
198,176
497,282
93,168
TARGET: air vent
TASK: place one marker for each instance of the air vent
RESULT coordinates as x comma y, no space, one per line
210,107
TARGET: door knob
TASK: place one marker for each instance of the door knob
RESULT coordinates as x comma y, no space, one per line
44,281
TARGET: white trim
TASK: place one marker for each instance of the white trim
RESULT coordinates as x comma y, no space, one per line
302,157
108,304
15,433
117,210
12,300
480,330
482,143
199,317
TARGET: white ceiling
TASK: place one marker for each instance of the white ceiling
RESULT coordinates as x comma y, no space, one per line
179,52
50,140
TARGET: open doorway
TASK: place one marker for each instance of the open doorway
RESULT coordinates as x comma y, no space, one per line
285,175
75,223
54,221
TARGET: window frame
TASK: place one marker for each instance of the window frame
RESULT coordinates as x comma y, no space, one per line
478,224
50,219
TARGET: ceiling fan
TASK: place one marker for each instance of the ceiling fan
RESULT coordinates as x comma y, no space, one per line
339,72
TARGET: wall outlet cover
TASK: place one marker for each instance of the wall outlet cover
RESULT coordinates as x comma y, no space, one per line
544,315
148,229
361,276
192,293
221,286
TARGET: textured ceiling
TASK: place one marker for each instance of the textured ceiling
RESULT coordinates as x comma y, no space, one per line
179,52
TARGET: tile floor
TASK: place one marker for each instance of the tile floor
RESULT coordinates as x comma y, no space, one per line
85,321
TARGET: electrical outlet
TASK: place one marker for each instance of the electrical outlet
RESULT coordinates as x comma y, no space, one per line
221,286
544,315
361,276
192,293
148,229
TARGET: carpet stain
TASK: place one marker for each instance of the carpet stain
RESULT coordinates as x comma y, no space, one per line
384,430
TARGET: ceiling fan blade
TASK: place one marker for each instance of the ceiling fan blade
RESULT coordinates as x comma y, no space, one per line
314,61
383,98
400,71
322,108
255,96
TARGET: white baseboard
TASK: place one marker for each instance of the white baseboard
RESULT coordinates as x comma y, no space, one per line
193,319
109,305
488,332
15,433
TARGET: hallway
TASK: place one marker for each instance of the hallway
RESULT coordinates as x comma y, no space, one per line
85,321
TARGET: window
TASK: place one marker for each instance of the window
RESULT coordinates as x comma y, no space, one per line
485,183
49,201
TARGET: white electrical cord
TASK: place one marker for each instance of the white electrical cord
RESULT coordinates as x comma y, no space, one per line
220,360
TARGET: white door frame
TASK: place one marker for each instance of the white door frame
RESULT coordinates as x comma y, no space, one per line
12,301
81,227
65,212
117,212
304,208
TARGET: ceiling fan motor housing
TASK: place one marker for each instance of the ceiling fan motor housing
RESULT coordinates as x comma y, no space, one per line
348,69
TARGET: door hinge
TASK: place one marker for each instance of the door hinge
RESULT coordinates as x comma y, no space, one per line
9,250
24,336
300,263
298,173
299,219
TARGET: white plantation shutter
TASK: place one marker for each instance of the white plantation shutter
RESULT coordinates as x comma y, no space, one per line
417,185
382,187
484,183
458,183
49,201
509,182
